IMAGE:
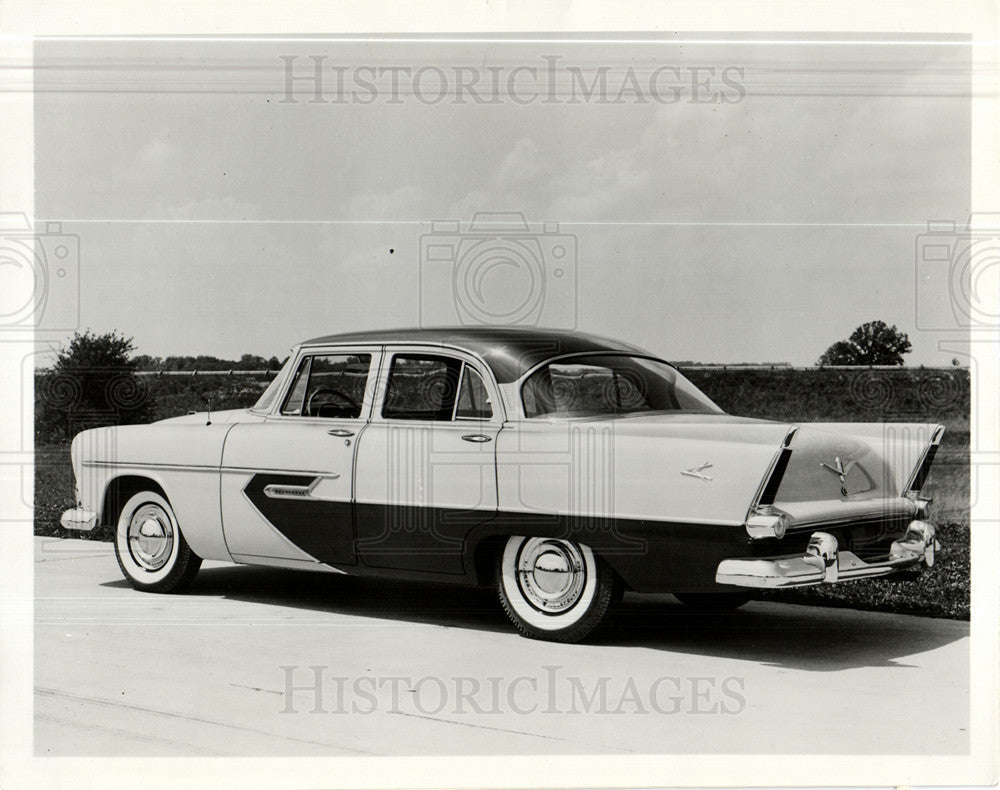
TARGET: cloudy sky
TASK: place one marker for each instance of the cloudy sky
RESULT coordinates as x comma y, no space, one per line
719,202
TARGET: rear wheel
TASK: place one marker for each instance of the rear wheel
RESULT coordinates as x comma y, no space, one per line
714,602
151,551
555,590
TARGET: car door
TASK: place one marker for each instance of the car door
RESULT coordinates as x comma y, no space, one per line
427,460
287,482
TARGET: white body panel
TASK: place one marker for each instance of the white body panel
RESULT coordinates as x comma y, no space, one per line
183,459
899,445
635,467
292,446
427,465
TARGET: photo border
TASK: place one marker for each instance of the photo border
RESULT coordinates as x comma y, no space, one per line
19,767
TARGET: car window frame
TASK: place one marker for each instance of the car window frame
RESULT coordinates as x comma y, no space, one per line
390,351
518,386
374,369
458,396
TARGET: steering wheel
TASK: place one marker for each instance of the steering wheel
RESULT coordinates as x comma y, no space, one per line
335,392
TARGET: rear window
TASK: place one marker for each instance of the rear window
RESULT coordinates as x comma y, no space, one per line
610,384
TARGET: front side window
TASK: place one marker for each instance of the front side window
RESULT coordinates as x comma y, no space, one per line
329,385
610,384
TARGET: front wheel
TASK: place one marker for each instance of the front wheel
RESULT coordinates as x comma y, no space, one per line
552,589
151,551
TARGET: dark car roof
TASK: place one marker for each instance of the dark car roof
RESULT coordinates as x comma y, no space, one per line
509,351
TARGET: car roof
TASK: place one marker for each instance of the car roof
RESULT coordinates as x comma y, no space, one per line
509,351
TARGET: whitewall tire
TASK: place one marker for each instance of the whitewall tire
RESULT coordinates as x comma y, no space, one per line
151,551
553,589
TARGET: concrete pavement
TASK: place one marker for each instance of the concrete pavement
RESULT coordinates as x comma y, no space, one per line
260,662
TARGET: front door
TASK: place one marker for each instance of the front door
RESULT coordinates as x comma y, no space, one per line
427,462
287,482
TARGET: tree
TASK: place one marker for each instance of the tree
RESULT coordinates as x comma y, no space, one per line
92,382
873,343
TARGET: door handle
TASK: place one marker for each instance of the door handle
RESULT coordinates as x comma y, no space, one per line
340,432
478,438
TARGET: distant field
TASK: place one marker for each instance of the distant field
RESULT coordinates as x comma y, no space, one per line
822,395
831,395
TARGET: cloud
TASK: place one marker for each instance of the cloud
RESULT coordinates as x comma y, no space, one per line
226,208
404,202
157,154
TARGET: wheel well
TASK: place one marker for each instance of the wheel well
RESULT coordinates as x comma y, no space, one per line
120,490
485,558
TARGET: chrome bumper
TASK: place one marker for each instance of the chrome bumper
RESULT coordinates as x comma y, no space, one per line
78,518
824,563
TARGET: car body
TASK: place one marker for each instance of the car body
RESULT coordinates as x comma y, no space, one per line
562,467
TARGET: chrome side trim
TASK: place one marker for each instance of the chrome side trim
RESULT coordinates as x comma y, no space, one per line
205,468
254,470
151,465
932,445
286,562
789,435
280,491
851,521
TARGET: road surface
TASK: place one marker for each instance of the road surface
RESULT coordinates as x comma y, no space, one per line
263,662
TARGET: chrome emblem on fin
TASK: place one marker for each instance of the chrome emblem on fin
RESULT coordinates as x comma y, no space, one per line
699,472
840,471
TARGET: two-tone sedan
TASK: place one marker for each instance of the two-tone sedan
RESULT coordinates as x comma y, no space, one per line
560,467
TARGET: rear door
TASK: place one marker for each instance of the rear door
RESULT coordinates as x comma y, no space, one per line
427,460
287,483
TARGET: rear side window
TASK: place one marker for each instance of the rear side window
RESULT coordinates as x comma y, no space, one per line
329,385
473,399
597,384
421,387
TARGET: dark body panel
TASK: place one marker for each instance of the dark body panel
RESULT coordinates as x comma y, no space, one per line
509,351
322,529
458,546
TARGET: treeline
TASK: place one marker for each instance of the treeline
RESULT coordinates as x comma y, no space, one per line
203,362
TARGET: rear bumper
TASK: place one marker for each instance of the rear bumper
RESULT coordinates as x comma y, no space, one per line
825,563
78,518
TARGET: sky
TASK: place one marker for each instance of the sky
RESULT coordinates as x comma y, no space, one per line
755,202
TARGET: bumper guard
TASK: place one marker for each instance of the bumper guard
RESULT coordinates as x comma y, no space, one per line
825,563
78,518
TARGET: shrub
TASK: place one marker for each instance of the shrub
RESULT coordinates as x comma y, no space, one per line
91,383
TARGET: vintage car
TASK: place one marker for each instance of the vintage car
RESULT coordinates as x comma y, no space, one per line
560,467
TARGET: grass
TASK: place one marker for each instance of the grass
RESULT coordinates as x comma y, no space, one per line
943,592
793,396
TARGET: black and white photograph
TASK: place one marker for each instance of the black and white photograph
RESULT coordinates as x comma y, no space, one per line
494,396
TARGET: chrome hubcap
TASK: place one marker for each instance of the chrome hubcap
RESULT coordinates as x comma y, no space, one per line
150,537
551,574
